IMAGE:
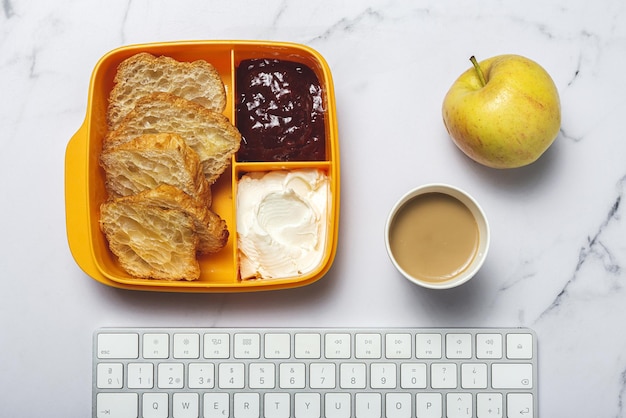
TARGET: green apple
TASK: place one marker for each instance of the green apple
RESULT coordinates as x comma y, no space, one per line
503,112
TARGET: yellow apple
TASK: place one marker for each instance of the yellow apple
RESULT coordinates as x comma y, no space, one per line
503,112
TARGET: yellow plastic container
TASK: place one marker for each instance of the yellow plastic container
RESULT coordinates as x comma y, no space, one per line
84,178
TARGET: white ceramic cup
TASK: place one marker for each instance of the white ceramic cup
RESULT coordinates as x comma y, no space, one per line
479,255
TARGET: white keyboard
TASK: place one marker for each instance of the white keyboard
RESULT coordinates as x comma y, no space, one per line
315,372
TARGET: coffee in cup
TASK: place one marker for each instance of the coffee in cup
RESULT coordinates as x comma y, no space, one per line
437,236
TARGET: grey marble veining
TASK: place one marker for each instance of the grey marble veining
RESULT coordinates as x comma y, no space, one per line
558,256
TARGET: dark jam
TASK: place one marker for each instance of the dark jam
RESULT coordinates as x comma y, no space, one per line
280,112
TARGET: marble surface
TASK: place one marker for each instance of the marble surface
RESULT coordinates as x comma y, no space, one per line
557,261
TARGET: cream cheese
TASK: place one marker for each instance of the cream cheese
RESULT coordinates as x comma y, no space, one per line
281,222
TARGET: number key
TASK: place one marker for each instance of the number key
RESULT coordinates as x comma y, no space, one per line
170,375
292,375
383,375
262,375
352,375
201,375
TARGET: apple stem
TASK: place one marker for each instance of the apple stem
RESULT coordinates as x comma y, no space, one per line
481,76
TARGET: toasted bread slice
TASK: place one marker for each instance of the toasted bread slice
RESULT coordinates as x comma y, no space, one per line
151,242
150,160
208,225
210,134
144,73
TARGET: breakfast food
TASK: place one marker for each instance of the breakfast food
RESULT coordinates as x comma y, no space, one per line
281,222
160,158
280,111
150,160
209,227
150,241
503,112
157,233
434,237
143,74
208,133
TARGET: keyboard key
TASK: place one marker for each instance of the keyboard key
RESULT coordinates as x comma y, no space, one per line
186,346
118,346
459,346
322,375
216,405
170,375
155,405
383,375
116,405
512,376
292,376
140,375
110,375
428,346
398,405
337,346
474,376
443,376
231,376
459,405
307,405
489,405
201,376
246,405
262,376
337,405
488,346
247,346
429,405
277,346
367,346
216,346
413,376
398,346
368,405
307,345
519,346
185,405
519,405
156,346
353,376
277,405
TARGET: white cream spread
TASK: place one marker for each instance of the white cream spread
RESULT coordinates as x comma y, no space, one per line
281,222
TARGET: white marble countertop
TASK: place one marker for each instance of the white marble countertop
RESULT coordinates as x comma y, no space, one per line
557,261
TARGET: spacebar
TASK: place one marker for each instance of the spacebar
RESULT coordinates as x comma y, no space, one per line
512,376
